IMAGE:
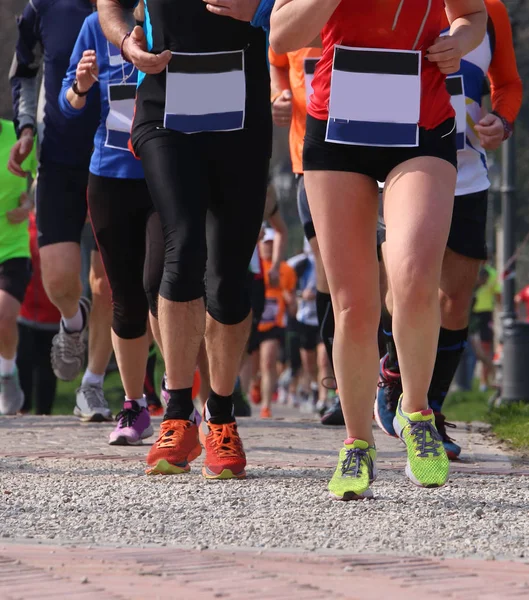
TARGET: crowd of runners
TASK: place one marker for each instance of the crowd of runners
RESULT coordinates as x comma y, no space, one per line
155,120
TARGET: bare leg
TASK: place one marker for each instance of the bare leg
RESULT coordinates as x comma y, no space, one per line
61,268
416,241
203,367
131,356
344,209
9,309
99,341
225,345
269,351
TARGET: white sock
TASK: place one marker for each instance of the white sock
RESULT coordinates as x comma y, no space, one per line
76,323
141,401
7,366
90,378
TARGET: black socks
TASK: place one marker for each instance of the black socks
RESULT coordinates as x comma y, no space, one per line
326,321
449,350
180,405
219,409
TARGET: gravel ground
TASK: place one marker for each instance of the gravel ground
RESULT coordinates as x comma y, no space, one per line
111,503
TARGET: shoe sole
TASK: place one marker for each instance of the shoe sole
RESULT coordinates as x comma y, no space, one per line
225,474
97,418
163,467
348,496
123,440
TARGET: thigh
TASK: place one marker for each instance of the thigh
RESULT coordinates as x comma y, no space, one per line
61,204
467,235
344,208
418,201
15,275
176,167
118,210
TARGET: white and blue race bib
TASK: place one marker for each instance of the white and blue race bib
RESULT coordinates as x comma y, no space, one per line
121,97
456,88
309,68
375,97
114,55
205,92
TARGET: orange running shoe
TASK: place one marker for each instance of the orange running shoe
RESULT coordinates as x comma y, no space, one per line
266,413
225,458
176,447
155,410
255,393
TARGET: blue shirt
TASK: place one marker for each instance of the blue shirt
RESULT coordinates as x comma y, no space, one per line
117,81
47,33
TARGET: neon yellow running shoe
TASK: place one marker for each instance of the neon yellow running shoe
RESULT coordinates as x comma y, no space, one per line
355,472
427,466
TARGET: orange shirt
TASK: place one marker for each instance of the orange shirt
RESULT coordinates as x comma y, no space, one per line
274,314
295,61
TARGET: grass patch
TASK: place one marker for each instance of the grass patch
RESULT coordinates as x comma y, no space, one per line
510,423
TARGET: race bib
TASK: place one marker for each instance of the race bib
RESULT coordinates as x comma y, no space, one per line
375,97
309,68
456,88
271,311
121,97
205,92
114,55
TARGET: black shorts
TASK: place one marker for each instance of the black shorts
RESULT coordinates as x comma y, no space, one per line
485,323
61,203
469,226
15,275
276,333
309,336
375,162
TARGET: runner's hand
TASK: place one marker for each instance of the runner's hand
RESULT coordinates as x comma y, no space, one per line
490,132
242,10
87,71
19,152
282,109
21,213
135,50
446,53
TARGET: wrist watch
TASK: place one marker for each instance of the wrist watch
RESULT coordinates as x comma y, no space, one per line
76,91
507,127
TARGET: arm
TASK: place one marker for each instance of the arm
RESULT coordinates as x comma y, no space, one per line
506,85
256,12
468,24
23,80
280,88
83,69
294,24
117,20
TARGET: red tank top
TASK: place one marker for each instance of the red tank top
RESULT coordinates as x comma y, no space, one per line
379,24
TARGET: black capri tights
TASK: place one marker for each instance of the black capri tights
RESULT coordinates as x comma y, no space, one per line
209,190
119,209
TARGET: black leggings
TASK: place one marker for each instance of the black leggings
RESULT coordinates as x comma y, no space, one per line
209,190
119,209
37,379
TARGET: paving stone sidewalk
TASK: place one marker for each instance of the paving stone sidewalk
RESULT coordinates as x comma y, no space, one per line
79,519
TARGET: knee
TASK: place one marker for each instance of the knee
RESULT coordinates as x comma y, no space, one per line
61,283
130,313
413,288
358,316
184,271
228,299
269,362
8,326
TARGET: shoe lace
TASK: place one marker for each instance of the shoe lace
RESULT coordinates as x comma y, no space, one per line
426,437
127,417
171,437
226,440
69,343
353,461
441,424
